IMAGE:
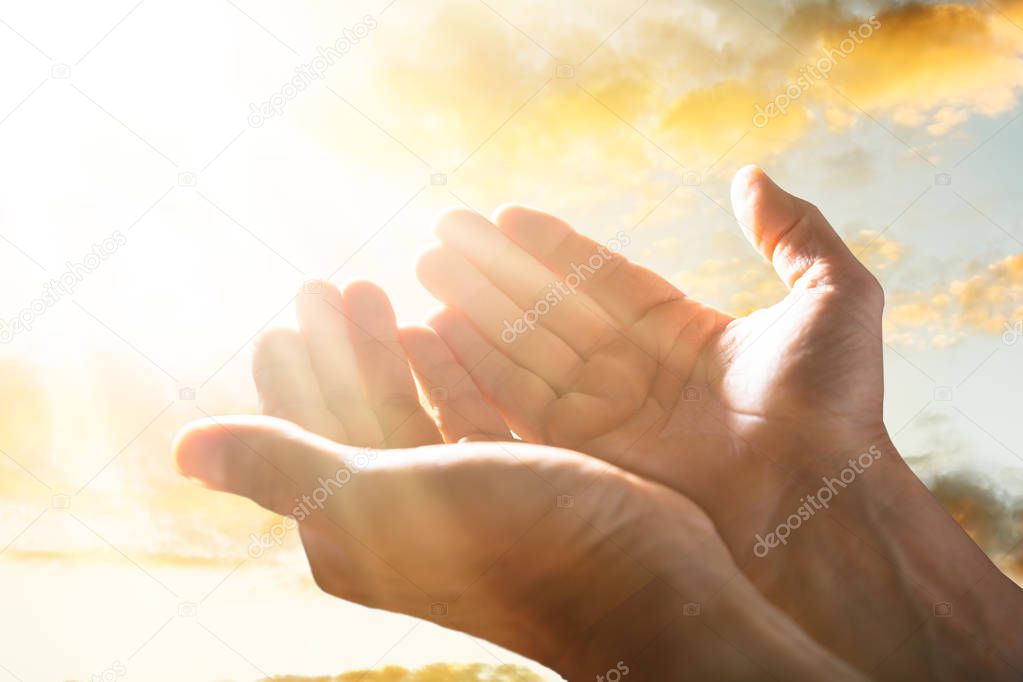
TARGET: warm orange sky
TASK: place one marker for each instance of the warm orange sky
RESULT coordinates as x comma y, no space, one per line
131,122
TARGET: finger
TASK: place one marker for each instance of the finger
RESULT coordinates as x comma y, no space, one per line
461,410
386,377
334,364
626,291
558,306
519,395
791,233
270,461
287,386
454,281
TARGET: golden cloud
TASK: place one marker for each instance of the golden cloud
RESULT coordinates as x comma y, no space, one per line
736,285
448,78
988,301
989,515
710,121
438,672
931,65
876,250
741,285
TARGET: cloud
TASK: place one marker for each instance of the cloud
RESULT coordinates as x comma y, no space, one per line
876,250
743,284
987,512
988,301
985,499
934,65
448,77
710,121
438,672
737,285
926,66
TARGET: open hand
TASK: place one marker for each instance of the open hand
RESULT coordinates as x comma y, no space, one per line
749,417
544,551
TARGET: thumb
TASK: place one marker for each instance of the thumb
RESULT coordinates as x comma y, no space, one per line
793,234
271,461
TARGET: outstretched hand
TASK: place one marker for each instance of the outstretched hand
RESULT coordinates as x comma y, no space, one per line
544,551
624,366
715,433
749,417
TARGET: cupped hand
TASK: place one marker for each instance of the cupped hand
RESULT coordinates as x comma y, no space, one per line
544,551
580,348
749,417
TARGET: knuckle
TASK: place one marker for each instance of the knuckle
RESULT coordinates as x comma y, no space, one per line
865,285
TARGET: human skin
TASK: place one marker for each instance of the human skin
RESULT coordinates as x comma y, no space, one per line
544,551
748,417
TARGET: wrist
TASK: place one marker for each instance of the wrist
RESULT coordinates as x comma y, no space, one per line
859,525
688,613
750,644
733,633
970,609
953,610
771,641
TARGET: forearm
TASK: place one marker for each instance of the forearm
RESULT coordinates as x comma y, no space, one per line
771,645
970,611
909,594
735,634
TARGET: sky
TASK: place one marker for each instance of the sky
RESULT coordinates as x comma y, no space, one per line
166,195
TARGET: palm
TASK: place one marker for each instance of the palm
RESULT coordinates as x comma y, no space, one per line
813,359
629,369
441,531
